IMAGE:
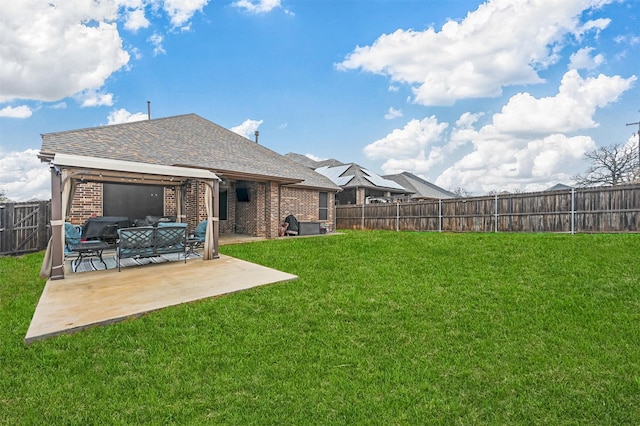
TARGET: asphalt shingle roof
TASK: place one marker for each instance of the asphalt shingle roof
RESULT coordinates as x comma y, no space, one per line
188,140
348,175
420,187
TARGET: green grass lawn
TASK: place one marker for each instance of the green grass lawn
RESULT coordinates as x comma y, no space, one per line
381,328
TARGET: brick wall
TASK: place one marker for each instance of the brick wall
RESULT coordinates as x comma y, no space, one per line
246,213
170,201
261,216
304,204
87,202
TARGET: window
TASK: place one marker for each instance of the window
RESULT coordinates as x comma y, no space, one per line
222,204
324,206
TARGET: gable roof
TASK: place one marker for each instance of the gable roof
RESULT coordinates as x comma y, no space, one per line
420,187
184,140
348,175
336,174
558,187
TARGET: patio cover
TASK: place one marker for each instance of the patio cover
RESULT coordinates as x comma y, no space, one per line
66,169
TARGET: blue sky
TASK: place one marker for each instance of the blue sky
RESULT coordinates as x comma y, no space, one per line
486,96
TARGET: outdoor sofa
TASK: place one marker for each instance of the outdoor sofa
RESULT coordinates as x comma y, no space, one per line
151,241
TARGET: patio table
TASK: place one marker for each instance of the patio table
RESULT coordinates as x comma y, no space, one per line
88,249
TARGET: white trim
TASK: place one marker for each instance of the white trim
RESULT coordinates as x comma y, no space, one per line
69,160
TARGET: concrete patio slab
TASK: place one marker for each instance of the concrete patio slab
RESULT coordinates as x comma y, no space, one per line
102,297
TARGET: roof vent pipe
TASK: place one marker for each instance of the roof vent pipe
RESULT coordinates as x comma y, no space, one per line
149,110
257,133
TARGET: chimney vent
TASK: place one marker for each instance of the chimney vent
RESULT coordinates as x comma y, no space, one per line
256,133
149,110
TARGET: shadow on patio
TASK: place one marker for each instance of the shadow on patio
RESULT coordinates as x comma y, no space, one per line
102,297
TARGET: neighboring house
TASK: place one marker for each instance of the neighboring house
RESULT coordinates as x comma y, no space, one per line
558,187
258,187
359,185
420,188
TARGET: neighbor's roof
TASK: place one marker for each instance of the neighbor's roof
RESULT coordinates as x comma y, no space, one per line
352,176
348,175
420,187
184,140
558,187
336,174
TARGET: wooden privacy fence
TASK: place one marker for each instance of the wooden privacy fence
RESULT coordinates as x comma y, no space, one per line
603,209
24,227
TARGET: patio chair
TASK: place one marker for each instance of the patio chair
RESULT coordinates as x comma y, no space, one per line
72,236
201,231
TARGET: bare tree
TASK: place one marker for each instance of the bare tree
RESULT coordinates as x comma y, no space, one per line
610,165
3,197
461,192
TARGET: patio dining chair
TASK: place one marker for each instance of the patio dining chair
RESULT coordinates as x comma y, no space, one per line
72,236
200,231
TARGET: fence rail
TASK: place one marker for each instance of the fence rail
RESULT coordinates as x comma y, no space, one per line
581,210
24,227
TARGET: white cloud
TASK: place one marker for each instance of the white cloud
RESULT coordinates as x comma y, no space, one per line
519,164
473,58
136,19
94,98
124,116
582,59
408,142
181,11
633,142
314,157
523,147
259,6
23,177
628,39
570,110
393,113
156,40
22,111
51,51
248,128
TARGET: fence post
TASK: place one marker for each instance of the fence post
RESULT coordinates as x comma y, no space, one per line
440,215
362,224
573,210
397,217
43,220
10,239
496,213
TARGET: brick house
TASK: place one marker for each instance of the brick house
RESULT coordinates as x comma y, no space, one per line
258,187
359,185
362,186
